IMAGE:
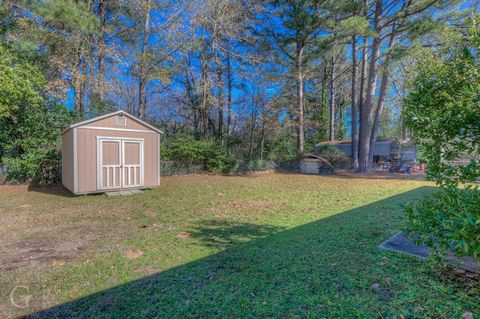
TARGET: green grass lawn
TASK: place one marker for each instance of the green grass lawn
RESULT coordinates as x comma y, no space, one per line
260,246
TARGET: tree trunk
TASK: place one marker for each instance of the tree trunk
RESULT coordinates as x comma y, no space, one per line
220,97
253,124
366,112
143,53
129,98
205,111
324,102
101,50
262,143
78,96
333,96
354,105
77,86
378,113
77,80
361,100
229,93
381,98
301,120
367,107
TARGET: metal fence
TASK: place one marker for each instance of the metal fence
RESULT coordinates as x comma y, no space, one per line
3,174
169,168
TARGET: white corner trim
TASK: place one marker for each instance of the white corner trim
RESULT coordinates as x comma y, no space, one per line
102,128
75,161
99,160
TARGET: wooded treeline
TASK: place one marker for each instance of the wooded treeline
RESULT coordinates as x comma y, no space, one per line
266,80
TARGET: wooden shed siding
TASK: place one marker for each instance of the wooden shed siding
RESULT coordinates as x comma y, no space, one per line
67,160
87,155
110,121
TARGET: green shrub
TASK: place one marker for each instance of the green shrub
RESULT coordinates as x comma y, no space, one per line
442,110
282,148
186,151
218,160
30,123
334,156
254,165
448,220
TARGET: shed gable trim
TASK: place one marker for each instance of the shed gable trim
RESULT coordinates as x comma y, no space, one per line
112,114
103,128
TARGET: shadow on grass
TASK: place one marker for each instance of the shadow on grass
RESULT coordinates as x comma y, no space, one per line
322,269
57,190
223,234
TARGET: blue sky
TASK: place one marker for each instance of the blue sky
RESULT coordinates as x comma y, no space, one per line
242,84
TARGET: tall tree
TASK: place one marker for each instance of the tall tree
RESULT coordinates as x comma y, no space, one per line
353,26
297,37
390,20
152,42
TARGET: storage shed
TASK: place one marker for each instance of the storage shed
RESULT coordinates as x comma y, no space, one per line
314,164
116,151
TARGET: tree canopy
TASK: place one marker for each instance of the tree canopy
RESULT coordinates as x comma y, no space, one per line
262,79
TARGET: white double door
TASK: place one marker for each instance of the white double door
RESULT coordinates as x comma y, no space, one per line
119,162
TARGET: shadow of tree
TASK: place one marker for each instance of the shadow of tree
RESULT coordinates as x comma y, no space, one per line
225,234
323,269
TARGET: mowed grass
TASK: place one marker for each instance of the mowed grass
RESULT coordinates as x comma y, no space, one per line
257,246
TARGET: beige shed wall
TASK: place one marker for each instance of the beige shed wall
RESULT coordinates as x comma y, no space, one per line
87,154
110,121
67,160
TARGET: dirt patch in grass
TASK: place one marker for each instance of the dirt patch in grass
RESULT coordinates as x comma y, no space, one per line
24,206
133,254
7,188
183,235
53,246
150,214
44,228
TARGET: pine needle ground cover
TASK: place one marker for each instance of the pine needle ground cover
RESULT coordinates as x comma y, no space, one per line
255,246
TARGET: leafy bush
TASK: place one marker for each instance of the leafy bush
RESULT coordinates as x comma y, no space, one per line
442,110
254,165
283,148
448,220
30,124
334,156
186,151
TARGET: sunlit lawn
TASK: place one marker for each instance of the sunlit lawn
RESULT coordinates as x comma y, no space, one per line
272,245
